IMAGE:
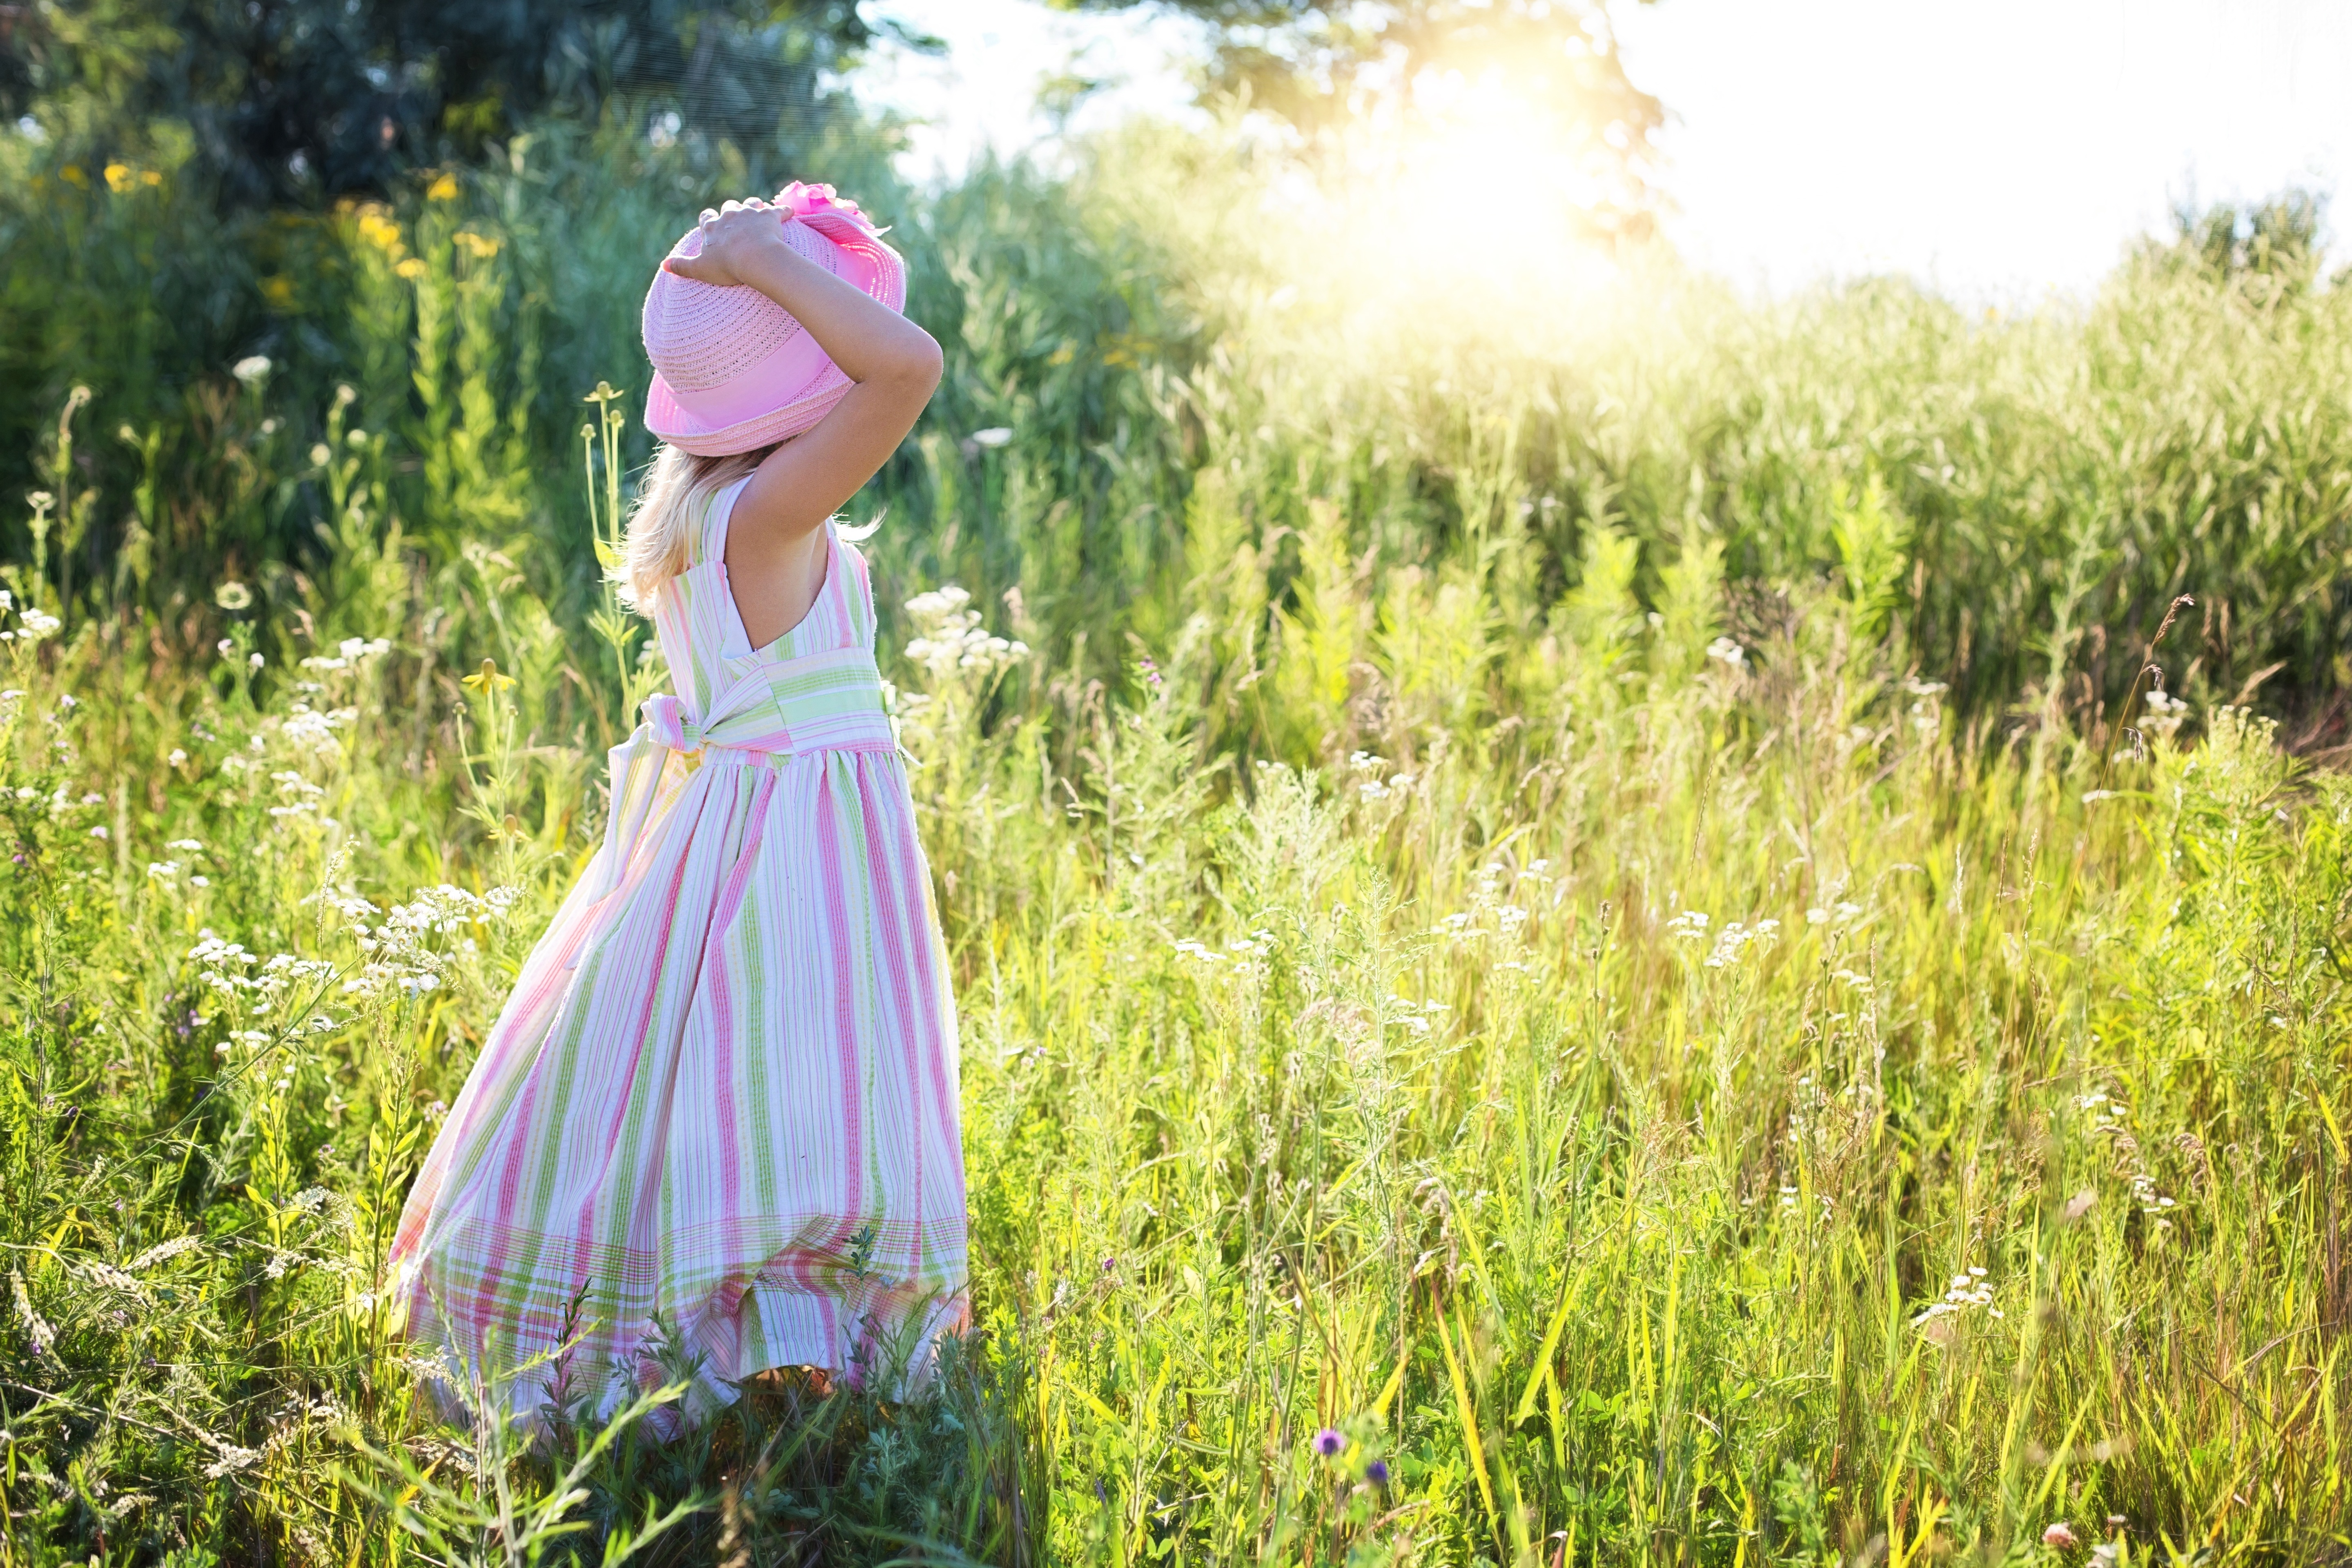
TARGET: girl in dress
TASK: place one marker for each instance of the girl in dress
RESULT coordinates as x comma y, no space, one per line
720,1110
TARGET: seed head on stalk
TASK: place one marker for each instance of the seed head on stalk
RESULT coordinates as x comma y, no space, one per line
2148,667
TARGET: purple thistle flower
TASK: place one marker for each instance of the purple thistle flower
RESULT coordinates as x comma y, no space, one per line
1329,1442
1376,1472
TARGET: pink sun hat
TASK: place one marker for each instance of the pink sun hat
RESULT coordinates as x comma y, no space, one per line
733,371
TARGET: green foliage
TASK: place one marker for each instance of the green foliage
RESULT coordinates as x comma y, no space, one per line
1471,932
2279,239
2047,484
1710,1116
291,101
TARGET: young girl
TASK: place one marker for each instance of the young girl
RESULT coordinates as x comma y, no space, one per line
719,1111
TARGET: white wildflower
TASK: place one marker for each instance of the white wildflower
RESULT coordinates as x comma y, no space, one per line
163,1252
44,1337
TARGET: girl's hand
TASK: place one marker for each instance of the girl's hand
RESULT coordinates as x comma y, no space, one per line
736,239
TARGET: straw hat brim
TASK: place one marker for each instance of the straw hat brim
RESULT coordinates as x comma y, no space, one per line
803,380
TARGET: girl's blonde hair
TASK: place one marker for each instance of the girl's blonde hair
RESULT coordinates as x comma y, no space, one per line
669,504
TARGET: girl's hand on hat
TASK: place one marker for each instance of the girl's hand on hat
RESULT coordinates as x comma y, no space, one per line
737,240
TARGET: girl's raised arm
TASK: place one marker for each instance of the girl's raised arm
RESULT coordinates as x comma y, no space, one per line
892,363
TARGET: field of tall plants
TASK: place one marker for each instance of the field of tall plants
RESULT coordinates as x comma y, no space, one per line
1583,933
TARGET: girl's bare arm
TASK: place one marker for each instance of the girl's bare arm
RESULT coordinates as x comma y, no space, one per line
892,363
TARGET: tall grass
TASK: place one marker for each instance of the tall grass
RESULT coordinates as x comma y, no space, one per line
1511,1011
1593,1100
2058,476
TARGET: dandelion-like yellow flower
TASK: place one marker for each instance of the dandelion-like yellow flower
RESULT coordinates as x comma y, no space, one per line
488,677
379,230
120,179
476,246
444,189
411,269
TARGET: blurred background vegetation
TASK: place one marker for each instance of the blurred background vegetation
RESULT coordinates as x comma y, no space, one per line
450,211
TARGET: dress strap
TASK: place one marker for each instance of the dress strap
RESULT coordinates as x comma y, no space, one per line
721,506
855,586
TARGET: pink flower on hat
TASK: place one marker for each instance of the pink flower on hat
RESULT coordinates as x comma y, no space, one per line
733,371
807,201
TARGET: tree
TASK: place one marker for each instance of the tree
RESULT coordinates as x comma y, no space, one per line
1319,63
286,102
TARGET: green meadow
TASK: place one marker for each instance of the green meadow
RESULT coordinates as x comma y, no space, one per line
1594,923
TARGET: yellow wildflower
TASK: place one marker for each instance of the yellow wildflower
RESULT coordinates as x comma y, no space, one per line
277,290
488,677
150,177
444,189
119,178
72,175
475,245
379,230
411,269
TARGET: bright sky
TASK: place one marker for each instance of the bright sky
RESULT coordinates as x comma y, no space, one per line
1995,149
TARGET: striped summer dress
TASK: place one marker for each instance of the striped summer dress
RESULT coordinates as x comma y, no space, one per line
719,1107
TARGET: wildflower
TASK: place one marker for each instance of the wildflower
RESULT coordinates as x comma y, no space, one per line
410,269
995,435
232,596
320,455
98,832
1728,653
2058,1538
232,1459
443,189
38,1331
1690,923
1329,1442
1734,938
1376,1472
163,1252
178,758
39,624
251,368
952,636
487,678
